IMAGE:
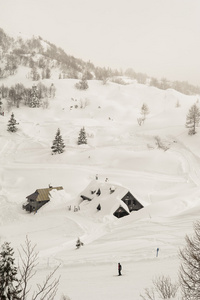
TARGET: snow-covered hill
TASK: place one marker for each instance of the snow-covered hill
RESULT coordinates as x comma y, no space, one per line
166,182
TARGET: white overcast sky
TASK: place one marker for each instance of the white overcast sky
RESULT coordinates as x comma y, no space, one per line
157,37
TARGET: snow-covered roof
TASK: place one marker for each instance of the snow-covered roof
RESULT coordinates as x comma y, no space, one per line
109,198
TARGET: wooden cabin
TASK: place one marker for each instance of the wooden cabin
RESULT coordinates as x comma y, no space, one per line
39,198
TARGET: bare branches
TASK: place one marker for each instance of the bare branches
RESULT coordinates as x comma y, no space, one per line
49,288
190,267
29,261
162,288
165,288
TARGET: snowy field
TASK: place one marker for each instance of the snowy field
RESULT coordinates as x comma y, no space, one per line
165,182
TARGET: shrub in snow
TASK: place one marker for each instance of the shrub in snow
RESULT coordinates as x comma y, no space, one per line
58,144
9,284
12,124
178,104
162,288
82,139
144,110
193,119
79,243
140,121
82,84
0,104
160,144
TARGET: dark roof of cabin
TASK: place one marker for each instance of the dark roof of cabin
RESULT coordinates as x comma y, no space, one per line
43,194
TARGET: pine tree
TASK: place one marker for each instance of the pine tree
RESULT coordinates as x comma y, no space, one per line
82,139
12,124
58,144
193,119
34,100
82,84
9,284
144,111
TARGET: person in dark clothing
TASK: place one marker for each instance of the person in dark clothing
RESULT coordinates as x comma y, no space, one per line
119,269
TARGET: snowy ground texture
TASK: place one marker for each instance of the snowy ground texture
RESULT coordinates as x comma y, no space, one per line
165,182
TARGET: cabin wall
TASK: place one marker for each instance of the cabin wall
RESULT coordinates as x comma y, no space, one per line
34,205
131,202
120,212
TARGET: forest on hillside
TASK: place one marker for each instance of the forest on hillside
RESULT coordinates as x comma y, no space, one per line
43,58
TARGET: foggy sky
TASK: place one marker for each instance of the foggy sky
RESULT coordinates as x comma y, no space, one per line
157,37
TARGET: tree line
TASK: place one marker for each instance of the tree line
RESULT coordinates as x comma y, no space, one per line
18,94
42,60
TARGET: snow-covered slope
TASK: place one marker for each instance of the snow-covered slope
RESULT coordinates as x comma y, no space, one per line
166,182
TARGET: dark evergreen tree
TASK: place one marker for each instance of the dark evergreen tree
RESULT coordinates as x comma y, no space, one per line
34,99
82,84
0,103
193,119
9,284
58,144
12,124
82,139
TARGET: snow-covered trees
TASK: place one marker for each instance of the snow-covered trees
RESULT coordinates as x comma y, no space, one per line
9,284
12,124
82,139
190,268
193,119
82,84
34,99
144,112
58,144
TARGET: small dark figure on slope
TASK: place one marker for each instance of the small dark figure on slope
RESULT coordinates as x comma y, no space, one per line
79,243
119,269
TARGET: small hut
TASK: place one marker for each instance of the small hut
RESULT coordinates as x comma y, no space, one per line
39,198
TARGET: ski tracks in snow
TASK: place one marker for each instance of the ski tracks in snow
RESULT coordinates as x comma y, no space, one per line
190,164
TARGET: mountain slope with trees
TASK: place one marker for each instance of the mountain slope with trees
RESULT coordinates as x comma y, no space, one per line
44,60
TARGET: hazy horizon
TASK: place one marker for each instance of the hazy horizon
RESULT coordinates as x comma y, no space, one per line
156,37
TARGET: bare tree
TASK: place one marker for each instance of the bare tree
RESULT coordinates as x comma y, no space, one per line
29,260
162,288
165,288
149,294
190,267
28,263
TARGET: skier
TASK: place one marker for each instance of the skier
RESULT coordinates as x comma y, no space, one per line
157,252
119,269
